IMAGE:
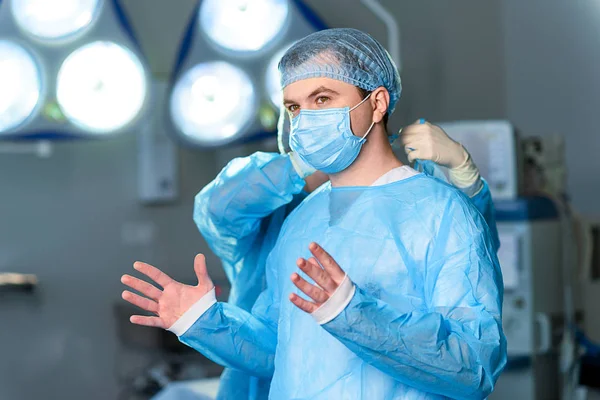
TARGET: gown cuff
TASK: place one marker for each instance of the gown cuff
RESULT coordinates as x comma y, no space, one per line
338,301
189,317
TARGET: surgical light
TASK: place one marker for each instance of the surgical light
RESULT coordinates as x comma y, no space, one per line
101,87
20,85
54,19
243,25
225,86
212,102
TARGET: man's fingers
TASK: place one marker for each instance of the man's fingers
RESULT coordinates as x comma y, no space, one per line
312,291
327,262
302,304
144,288
141,302
147,321
153,273
200,268
317,274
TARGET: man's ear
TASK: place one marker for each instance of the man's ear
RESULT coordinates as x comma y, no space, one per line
380,100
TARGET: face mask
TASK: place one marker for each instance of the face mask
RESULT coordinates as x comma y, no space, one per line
324,140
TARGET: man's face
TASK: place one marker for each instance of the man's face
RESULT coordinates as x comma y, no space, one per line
324,93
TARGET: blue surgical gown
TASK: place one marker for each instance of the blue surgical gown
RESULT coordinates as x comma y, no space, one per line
425,319
240,215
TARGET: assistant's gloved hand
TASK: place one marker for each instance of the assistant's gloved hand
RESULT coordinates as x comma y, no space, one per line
301,167
425,141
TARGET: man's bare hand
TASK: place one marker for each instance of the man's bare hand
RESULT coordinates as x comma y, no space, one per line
172,301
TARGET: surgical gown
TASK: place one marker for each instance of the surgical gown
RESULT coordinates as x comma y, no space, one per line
239,215
425,319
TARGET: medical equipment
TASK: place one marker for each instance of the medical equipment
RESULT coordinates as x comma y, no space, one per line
530,258
494,147
158,159
592,285
17,282
541,298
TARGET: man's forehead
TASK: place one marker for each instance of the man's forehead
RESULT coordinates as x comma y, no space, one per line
304,88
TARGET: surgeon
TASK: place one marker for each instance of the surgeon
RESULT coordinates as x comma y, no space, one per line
241,213
402,296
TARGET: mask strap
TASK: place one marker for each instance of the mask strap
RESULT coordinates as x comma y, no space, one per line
372,123
369,131
365,99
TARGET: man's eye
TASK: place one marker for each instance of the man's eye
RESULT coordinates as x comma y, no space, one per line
322,100
293,108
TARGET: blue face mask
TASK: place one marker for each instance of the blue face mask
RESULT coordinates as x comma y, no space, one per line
324,139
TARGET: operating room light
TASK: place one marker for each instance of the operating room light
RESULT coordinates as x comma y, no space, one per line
54,19
243,25
272,79
212,102
101,86
20,85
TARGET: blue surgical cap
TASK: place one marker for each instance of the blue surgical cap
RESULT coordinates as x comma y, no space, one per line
344,54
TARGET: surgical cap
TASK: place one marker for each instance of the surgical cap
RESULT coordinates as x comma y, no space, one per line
344,54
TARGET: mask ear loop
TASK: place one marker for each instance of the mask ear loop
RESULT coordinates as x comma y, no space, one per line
369,131
356,106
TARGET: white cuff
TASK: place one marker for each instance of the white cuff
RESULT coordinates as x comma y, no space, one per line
338,301
189,317
301,167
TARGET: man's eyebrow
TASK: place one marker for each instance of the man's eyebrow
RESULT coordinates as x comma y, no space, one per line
321,89
317,91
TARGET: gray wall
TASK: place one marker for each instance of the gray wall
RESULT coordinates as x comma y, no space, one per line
452,55
552,52
64,219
